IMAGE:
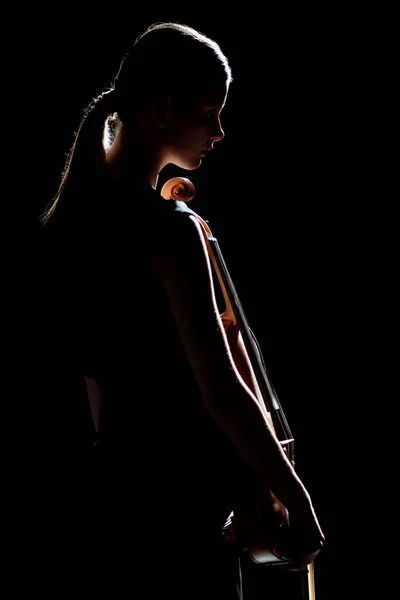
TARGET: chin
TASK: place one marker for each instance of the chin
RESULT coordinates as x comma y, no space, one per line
189,166
194,164
190,162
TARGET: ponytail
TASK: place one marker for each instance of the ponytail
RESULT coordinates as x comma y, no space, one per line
88,150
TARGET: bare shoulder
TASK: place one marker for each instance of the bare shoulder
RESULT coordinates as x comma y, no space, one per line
180,246
182,264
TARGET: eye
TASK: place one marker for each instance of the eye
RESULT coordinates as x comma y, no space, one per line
212,114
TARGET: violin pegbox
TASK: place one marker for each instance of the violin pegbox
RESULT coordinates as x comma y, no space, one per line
178,188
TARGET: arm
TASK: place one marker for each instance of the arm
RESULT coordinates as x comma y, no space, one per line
183,266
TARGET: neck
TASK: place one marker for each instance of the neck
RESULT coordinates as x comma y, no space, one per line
129,158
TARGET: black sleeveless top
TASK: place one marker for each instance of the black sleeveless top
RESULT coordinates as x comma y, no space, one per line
160,454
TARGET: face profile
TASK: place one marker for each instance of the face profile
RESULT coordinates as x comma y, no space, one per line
193,131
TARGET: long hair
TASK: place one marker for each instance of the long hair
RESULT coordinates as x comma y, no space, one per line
167,58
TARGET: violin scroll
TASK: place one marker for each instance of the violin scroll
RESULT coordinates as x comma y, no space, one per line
178,188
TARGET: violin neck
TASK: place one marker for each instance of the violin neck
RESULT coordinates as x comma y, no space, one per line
269,401
268,393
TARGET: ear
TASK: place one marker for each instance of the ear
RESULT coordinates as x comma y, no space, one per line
161,109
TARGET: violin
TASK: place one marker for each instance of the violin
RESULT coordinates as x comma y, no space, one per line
257,517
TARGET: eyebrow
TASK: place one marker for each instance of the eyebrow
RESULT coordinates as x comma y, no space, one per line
214,106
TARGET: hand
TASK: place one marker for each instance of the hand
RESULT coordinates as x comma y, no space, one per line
301,539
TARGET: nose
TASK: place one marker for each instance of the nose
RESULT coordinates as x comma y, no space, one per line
218,134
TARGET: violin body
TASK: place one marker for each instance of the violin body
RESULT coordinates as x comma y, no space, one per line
258,521
255,523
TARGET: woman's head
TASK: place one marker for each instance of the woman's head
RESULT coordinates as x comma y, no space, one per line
164,104
173,84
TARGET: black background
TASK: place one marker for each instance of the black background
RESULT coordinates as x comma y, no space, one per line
269,192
